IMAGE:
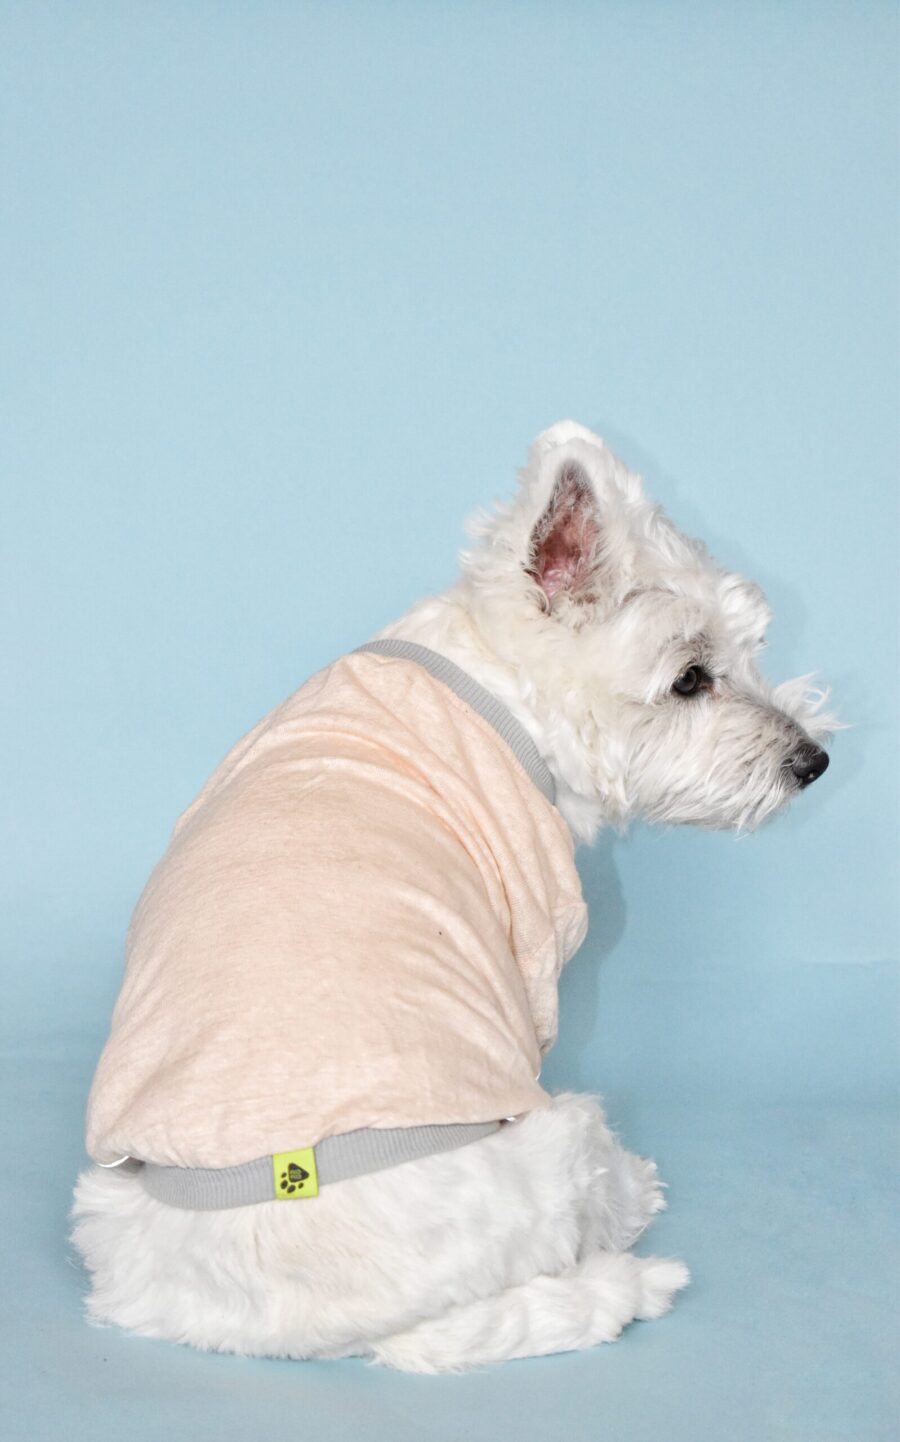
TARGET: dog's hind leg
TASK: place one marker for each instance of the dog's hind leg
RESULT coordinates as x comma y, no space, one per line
588,1303
623,1202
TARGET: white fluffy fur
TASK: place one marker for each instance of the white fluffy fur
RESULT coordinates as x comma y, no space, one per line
479,1254
436,1265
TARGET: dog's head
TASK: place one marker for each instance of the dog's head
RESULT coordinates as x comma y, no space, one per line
635,650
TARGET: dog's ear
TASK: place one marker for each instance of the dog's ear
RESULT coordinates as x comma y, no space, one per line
562,555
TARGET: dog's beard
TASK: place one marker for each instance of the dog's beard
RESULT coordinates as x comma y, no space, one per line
727,767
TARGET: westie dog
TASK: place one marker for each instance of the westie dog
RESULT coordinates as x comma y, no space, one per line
589,656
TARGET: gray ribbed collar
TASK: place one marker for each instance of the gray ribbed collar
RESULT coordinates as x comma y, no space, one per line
480,700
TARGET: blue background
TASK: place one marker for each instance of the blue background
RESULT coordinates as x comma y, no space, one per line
287,289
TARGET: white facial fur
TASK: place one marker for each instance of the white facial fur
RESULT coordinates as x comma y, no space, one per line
599,604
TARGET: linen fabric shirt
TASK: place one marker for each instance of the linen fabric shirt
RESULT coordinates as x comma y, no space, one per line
358,922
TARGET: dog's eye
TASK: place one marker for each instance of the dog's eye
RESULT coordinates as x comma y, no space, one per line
690,681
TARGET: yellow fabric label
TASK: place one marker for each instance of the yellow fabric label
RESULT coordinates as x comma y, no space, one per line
295,1174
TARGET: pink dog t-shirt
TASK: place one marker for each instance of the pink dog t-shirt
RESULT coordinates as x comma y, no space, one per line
359,922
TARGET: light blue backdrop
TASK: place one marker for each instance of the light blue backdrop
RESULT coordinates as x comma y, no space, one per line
287,290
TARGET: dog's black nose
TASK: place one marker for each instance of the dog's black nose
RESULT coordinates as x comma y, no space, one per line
808,764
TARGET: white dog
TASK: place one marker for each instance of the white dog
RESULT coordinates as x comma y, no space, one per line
625,658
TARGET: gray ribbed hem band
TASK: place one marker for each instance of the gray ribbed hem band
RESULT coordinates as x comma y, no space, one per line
480,700
352,1154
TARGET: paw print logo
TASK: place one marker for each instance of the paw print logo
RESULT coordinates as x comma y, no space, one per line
292,1178
294,1175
